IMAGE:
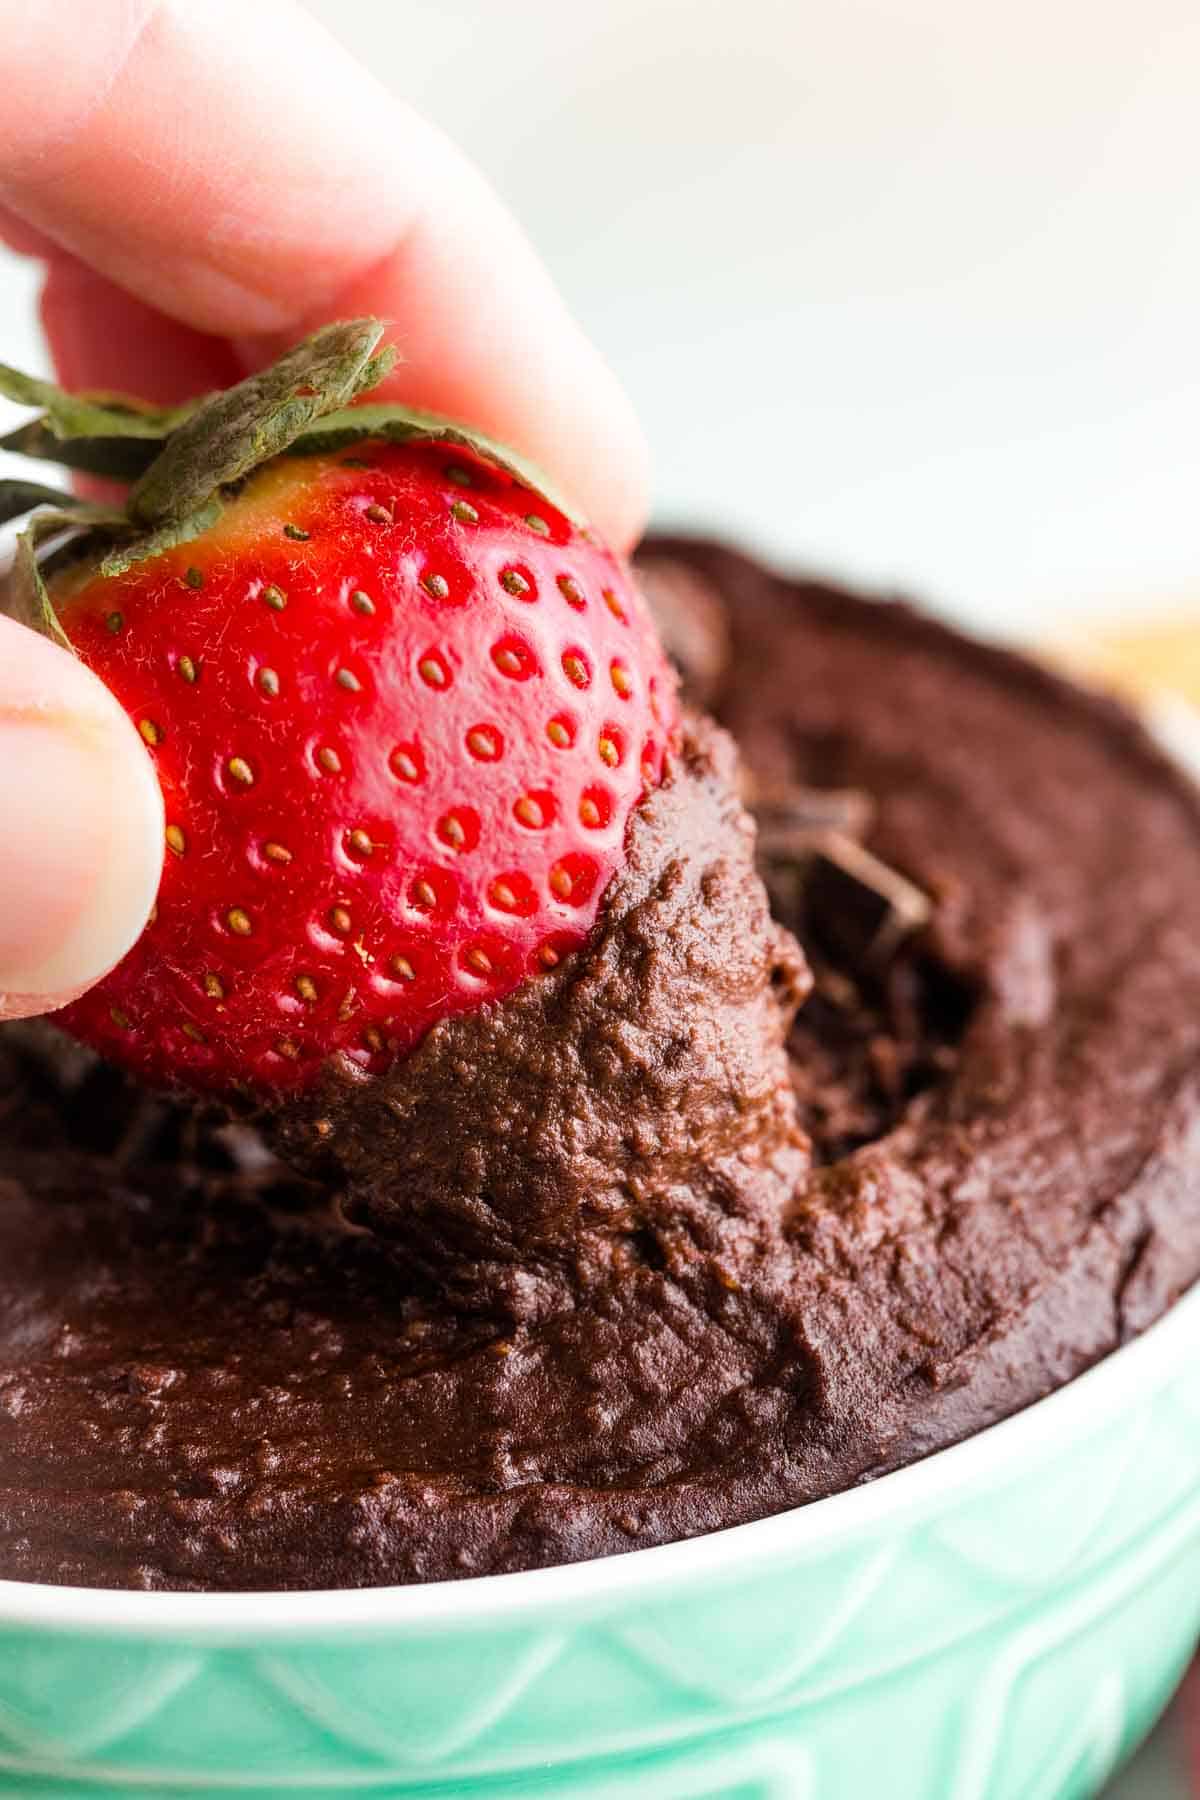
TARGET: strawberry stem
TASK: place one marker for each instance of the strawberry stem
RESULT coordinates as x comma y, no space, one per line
182,460
233,432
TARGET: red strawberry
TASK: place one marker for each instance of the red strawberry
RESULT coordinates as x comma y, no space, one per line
401,708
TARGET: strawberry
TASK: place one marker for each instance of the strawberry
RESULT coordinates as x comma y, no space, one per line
401,706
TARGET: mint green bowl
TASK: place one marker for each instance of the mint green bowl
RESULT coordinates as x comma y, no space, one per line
1000,1622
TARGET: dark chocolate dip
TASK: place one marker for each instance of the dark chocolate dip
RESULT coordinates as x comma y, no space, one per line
690,1231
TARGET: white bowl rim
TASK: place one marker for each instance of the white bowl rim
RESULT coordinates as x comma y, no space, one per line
994,1457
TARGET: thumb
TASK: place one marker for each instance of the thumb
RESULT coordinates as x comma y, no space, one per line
81,827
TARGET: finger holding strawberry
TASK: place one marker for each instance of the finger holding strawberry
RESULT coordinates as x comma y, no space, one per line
400,703
292,187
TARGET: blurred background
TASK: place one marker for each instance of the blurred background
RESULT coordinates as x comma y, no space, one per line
903,289
908,292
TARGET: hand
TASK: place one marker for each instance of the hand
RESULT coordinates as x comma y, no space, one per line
206,184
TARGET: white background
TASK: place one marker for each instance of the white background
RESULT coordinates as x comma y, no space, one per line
908,291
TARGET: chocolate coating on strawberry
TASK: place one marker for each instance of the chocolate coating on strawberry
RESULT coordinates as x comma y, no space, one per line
401,705
638,1094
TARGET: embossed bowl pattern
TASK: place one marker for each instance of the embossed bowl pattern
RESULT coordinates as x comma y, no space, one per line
999,1622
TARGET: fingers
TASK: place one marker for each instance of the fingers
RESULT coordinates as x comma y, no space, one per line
22,237
236,169
520,371
81,827
102,337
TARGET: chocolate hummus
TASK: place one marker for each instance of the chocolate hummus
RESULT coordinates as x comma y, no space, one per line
641,1091
695,1229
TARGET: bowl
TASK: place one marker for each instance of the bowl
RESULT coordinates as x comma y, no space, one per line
1002,1621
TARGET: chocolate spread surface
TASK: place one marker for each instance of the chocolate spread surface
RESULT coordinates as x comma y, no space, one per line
691,1231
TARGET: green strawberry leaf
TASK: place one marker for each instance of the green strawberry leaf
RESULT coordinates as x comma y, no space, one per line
25,598
100,433
122,458
233,432
410,424
23,594
181,459
17,497
89,415
166,536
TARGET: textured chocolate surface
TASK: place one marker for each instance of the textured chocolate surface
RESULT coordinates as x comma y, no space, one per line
518,1159
713,1306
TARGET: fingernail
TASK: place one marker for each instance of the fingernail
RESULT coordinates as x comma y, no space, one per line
81,841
